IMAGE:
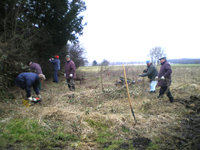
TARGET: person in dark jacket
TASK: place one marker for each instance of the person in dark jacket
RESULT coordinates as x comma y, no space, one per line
164,77
35,67
151,72
70,73
56,67
26,80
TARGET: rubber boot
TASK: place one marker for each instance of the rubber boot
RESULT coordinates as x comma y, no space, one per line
39,85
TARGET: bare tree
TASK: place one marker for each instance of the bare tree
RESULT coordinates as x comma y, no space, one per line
155,53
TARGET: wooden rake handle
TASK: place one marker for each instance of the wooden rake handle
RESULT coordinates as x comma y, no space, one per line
128,94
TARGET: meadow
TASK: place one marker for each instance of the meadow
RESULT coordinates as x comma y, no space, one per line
98,115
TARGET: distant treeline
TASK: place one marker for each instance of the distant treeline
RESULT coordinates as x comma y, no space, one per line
172,61
185,61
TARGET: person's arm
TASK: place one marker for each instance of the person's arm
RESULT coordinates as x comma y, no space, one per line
149,71
73,68
36,89
52,61
31,69
28,88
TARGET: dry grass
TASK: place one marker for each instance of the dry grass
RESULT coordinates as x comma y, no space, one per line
93,111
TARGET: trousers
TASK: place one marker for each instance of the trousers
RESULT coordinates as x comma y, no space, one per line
70,83
152,85
55,77
163,90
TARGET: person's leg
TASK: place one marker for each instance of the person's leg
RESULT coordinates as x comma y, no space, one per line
73,84
55,76
152,86
162,91
69,84
169,95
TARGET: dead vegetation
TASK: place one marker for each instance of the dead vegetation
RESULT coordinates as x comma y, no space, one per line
101,118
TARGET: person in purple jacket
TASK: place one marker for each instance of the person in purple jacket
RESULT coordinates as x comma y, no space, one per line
70,73
26,80
35,67
164,77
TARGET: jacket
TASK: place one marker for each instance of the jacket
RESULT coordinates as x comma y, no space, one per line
165,71
27,80
36,67
56,64
70,69
151,72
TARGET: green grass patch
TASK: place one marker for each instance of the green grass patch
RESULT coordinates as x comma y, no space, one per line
97,125
103,135
185,65
153,146
26,131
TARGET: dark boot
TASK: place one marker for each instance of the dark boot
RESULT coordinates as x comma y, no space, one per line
151,92
160,96
171,99
169,95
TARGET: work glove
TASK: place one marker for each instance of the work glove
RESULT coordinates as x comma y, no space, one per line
162,77
145,70
156,77
64,74
71,75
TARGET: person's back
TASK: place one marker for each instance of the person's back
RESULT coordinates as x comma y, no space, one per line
153,73
36,67
56,64
56,67
26,80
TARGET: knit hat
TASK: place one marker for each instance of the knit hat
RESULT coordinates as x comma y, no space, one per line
57,56
148,61
67,56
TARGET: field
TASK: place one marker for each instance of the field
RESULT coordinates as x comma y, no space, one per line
98,115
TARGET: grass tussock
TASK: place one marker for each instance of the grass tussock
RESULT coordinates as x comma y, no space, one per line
98,115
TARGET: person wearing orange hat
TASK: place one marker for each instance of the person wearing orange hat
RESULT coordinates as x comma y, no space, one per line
56,67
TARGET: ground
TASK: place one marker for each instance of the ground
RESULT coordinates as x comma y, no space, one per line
99,115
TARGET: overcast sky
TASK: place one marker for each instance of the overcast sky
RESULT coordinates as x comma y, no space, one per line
125,30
